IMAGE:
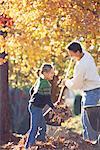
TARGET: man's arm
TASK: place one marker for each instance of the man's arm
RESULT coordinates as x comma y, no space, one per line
77,81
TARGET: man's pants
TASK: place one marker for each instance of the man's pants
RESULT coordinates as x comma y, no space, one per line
91,98
37,126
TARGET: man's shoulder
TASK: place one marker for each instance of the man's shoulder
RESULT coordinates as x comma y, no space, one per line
86,62
87,58
88,55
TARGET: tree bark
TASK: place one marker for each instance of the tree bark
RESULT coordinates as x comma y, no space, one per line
4,104
55,88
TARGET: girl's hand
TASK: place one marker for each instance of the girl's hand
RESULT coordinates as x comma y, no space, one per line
55,110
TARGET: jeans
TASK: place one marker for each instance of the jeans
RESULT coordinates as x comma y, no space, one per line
37,126
91,97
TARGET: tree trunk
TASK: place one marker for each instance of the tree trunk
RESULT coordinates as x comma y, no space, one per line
4,104
55,88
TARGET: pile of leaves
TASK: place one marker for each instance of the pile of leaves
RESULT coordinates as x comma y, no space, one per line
55,119
58,137
70,141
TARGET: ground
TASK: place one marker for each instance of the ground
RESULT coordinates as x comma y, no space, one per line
65,137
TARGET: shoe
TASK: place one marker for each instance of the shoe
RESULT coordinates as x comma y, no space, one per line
28,147
94,142
39,143
91,141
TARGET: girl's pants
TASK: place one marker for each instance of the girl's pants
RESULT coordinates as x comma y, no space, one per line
91,98
37,126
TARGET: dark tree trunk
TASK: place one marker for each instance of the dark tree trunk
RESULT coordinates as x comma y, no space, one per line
55,88
4,104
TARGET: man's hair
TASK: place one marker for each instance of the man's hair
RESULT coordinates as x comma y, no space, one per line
75,47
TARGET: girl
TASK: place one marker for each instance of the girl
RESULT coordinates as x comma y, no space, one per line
41,96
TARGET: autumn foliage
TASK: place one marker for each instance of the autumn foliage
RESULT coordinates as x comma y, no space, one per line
38,31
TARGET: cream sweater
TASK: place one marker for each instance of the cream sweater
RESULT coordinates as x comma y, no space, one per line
85,75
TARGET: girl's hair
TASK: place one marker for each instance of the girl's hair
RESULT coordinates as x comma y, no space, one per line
38,72
46,68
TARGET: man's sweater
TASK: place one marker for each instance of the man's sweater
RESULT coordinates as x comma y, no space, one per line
85,75
41,93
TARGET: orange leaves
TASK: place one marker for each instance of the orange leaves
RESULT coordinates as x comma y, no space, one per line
41,30
5,21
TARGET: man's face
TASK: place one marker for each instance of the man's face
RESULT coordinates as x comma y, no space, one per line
74,55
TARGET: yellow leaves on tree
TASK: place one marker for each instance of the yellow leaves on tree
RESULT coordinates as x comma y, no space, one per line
41,30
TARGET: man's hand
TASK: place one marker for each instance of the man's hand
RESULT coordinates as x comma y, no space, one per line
63,82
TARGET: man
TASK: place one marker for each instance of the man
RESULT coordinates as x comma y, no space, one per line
85,78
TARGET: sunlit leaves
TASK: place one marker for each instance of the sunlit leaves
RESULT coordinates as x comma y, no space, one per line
42,29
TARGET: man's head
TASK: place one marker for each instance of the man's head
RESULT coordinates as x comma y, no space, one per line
75,50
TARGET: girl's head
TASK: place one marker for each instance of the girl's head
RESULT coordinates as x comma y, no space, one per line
48,71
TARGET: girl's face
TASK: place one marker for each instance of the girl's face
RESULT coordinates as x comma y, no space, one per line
49,75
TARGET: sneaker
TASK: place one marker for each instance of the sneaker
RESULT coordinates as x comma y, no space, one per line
40,142
91,141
